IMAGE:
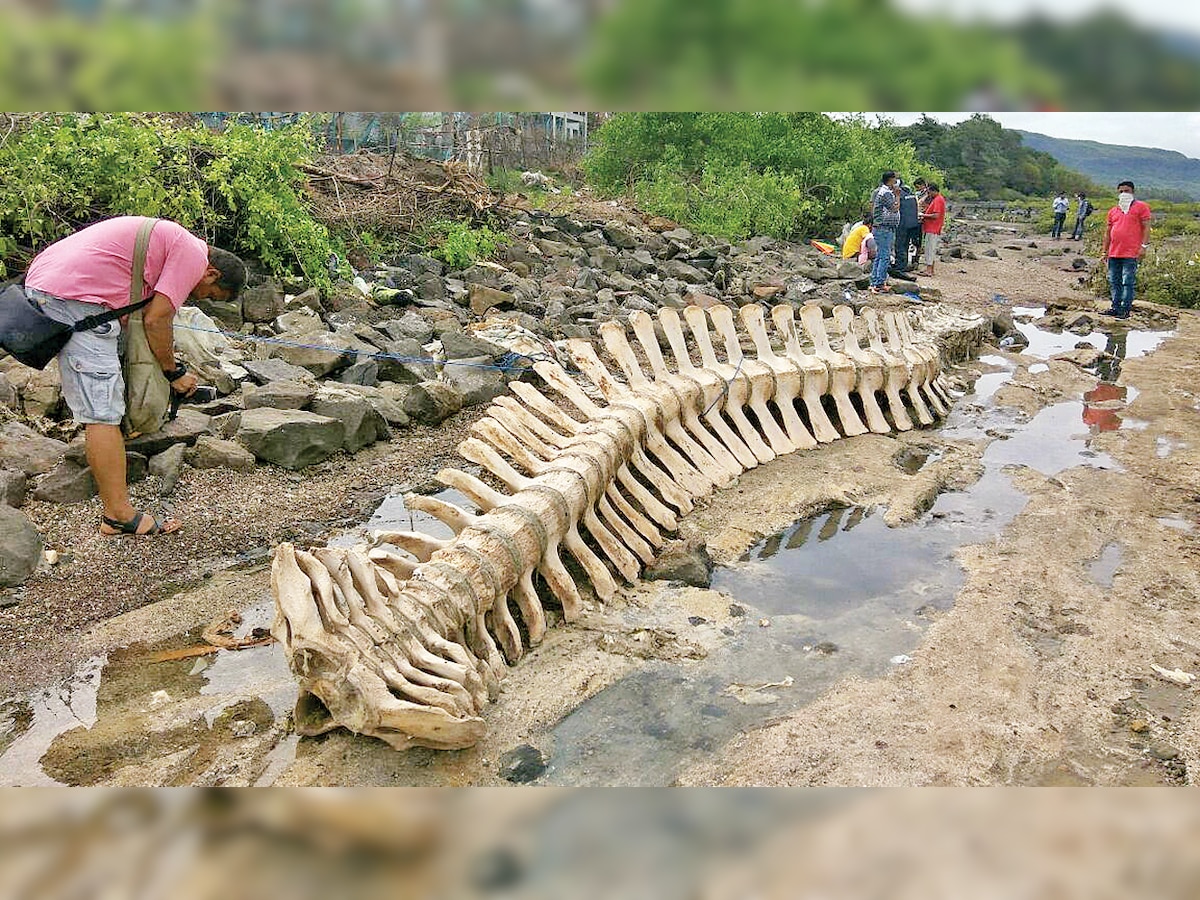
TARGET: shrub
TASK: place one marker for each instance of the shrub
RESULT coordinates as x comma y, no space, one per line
459,245
240,188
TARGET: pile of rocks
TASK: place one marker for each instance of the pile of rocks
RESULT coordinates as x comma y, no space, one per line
304,374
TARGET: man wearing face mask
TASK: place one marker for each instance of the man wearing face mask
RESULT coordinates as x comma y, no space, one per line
1126,237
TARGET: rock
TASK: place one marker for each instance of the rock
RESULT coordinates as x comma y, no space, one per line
183,429
291,438
280,394
13,484
69,482
419,264
309,299
1080,324
168,466
482,298
300,321
619,236
660,224
683,236
24,449
345,296
359,419
320,353
591,239
136,466
228,314
680,561
411,326
460,345
226,425
476,383
432,402
431,287
522,764
20,547
263,302
213,453
364,371
387,400
1079,264
264,371
1002,323
992,252
403,362
675,268
9,396
41,395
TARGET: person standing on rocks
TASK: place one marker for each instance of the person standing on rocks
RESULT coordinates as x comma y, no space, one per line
908,235
885,213
93,268
933,219
1083,209
1060,215
1126,237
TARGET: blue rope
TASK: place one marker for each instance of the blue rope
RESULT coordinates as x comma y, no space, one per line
506,363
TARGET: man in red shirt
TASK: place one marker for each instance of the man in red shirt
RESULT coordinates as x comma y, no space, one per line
932,220
92,269
1126,237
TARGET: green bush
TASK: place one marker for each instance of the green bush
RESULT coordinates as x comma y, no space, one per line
1170,277
460,246
735,174
239,188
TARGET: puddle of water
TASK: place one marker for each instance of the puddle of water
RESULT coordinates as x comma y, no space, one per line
129,709
1176,523
913,459
1047,343
1104,569
999,362
393,515
987,384
1038,368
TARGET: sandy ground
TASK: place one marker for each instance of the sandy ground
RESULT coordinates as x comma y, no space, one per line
1036,675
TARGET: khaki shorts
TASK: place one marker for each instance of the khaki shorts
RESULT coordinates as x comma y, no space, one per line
931,243
89,364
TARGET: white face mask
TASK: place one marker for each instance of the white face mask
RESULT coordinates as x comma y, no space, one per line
1125,199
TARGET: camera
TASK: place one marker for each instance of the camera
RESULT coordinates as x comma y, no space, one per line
203,393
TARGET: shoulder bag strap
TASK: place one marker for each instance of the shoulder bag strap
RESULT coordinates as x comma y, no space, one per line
136,286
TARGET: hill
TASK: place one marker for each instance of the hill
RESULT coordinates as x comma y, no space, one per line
1162,173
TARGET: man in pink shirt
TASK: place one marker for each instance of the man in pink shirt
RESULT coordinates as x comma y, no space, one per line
1126,237
94,268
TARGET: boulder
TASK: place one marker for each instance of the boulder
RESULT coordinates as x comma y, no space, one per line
263,302
460,345
683,236
214,453
168,466
676,268
302,320
309,299
482,298
69,482
280,394
41,395
13,484
24,449
226,313
411,325
320,353
291,438
682,561
475,382
432,402
404,362
360,421
265,371
387,400
619,236
9,396
364,371
431,287
183,429
20,547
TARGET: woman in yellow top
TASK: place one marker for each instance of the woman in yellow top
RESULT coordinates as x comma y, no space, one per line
854,240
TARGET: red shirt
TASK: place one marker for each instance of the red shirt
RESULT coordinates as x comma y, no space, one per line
95,265
936,206
1127,230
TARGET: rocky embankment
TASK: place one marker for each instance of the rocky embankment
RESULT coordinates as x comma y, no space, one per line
303,375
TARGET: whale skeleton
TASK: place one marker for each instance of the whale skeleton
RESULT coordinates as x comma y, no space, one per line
407,638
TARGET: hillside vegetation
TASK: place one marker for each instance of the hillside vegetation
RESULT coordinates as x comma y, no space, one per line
1161,173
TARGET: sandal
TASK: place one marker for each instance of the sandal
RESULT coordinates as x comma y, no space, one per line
131,527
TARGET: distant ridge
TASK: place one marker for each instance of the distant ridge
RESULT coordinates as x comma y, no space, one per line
1165,173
